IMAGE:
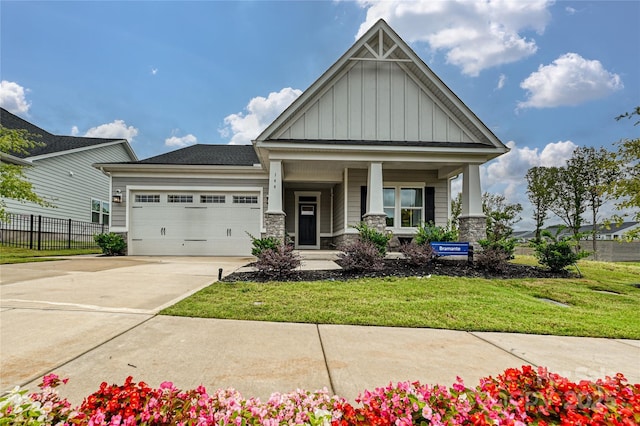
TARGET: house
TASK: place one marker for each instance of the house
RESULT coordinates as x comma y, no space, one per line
604,232
377,138
61,172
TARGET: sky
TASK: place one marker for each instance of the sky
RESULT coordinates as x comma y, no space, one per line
545,76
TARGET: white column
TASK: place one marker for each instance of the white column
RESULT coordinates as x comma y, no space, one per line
375,202
471,192
275,187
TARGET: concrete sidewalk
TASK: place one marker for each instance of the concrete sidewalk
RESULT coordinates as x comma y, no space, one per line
95,320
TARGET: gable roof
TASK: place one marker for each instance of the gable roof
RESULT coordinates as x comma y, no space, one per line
54,144
207,155
385,82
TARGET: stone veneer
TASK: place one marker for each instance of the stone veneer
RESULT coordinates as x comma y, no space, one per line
472,229
376,221
274,225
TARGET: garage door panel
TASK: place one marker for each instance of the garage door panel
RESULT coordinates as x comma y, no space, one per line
192,229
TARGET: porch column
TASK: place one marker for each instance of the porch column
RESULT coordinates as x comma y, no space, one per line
274,216
472,221
375,216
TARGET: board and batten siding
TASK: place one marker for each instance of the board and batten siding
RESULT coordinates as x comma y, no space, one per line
69,181
376,101
119,211
358,178
338,208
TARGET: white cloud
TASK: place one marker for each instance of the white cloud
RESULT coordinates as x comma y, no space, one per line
569,80
570,10
501,81
182,141
154,71
75,131
245,126
118,129
12,97
475,35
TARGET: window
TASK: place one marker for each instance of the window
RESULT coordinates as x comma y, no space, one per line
100,211
245,199
179,198
143,198
403,206
213,199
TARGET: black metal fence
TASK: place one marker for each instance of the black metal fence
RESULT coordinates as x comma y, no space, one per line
48,233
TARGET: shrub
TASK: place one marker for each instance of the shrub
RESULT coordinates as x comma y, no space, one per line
111,244
379,239
506,245
556,253
492,258
279,262
427,232
417,255
261,244
361,255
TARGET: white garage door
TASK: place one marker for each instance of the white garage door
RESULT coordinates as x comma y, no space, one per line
193,223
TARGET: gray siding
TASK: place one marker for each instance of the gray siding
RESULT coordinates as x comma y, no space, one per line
338,208
70,182
119,211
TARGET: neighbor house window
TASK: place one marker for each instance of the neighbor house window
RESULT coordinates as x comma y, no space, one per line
213,199
245,199
100,211
180,198
403,206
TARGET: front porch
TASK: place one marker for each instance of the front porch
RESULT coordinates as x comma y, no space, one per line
322,214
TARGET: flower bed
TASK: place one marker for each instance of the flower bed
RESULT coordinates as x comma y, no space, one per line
515,397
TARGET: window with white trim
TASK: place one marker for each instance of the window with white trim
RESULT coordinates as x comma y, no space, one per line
213,199
100,211
147,198
404,206
245,199
179,198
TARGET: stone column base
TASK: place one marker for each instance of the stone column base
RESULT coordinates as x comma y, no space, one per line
376,221
274,225
472,229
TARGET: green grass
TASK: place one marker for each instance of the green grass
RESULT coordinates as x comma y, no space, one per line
21,255
471,304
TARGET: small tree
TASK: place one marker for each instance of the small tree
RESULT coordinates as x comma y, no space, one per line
501,216
456,211
557,253
627,187
13,182
569,195
540,193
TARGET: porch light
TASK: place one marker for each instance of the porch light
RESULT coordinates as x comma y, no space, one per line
117,197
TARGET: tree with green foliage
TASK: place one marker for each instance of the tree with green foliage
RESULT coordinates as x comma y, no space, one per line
599,171
540,193
627,186
456,211
501,216
13,182
569,195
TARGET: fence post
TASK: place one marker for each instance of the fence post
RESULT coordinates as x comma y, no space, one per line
39,231
31,234
69,235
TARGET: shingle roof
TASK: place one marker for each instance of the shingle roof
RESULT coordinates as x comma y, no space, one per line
52,143
207,155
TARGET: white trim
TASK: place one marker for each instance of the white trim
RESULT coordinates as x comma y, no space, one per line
346,199
398,186
318,196
127,147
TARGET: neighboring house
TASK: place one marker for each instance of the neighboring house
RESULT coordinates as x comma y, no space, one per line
61,172
612,231
377,138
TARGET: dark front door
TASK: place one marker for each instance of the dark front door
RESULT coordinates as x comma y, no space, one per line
307,224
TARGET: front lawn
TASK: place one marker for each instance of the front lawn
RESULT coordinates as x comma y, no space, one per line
604,303
10,254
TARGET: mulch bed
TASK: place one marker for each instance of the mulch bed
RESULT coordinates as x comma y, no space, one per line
400,268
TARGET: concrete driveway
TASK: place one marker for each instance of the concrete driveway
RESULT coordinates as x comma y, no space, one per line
54,312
